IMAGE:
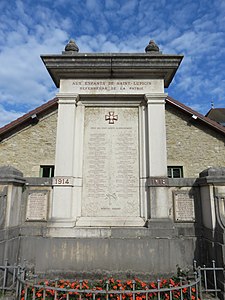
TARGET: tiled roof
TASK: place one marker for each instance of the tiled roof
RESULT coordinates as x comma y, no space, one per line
195,115
51,105
27,119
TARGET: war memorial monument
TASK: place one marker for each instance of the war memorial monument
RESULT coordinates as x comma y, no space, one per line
110,207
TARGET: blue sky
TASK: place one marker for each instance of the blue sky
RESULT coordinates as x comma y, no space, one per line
28,28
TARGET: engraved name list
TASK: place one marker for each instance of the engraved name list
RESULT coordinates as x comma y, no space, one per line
111,168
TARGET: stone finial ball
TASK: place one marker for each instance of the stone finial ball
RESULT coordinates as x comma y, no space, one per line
72,46
152,47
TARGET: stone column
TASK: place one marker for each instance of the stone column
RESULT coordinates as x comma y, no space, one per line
61,210
78,160
11,184
212,189
157,156
11,211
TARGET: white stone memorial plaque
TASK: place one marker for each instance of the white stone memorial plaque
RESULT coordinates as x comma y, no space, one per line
37,206
111,86
111,162
184,209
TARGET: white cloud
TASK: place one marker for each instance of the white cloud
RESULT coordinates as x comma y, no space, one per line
7,116
128,7
22,70
24,81
92,4
30,28
202,108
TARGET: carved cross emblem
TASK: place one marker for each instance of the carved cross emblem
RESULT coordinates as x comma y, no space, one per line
111,117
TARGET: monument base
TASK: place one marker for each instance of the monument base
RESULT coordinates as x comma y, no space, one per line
115,250
110,222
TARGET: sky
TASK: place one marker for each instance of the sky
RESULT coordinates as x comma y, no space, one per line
28,29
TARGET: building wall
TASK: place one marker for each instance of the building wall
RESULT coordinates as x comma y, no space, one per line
31,147
192,145
195,147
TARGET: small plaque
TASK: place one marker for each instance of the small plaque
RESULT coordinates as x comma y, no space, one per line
184,209
37,206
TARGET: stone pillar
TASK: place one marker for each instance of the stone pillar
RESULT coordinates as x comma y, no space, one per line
78,160
212,189
62,204
11,184
157,156
11,212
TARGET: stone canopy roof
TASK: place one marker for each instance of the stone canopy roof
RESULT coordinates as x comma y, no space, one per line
32,117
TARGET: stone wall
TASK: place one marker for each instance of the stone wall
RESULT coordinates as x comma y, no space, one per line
192,145
31,147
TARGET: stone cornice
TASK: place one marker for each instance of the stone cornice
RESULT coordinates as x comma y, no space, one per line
9,174
112,65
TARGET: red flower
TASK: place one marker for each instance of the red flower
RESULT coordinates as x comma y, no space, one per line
153,285
38,294
172,282
72,285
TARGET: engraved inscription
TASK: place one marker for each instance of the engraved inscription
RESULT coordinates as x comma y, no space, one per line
109,86
111,167
114,86
59,180
184,209
158,181
37,205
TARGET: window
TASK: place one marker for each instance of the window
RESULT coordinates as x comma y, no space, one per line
175,172
47,171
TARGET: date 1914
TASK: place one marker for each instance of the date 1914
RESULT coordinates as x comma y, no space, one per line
62,181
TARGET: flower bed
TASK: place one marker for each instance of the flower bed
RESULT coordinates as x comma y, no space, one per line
111,288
